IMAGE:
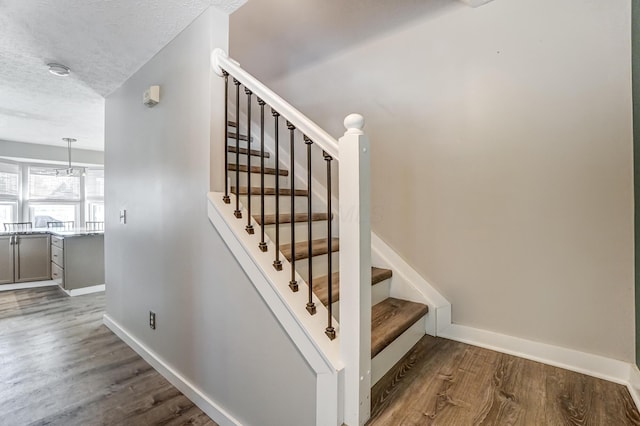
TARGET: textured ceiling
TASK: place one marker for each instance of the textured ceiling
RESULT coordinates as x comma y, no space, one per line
103,42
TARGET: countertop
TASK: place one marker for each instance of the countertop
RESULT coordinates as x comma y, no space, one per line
73,232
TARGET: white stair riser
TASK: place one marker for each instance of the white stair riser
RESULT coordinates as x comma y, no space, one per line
319,264
379,292
386,359
270,204
318,229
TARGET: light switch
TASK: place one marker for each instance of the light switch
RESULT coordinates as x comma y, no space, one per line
123,216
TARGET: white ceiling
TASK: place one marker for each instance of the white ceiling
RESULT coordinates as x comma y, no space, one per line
103,42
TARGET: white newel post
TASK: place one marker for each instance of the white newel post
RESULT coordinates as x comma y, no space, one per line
355,269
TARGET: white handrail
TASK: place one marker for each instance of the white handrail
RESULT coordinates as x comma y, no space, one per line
220,61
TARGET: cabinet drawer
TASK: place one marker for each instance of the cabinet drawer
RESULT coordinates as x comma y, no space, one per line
57,256
57,241
57,274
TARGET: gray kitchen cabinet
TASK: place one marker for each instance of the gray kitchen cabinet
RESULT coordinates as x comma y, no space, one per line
31,258
77,261
6,259
24,258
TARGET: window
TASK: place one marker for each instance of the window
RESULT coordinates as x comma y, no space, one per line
8,213
94,188
9,174
52,198
45,185
95,212
9,193
40,214
33,193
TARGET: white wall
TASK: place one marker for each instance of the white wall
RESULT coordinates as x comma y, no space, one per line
212,326
501,158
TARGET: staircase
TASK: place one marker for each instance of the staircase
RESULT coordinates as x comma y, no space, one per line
278,188
390,317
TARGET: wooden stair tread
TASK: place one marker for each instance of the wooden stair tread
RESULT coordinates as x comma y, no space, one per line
255,190
321,284
318,247
244,151
232,124
232,135
270,219
256,169
390,318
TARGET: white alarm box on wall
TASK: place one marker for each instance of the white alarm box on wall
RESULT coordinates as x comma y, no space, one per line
151,96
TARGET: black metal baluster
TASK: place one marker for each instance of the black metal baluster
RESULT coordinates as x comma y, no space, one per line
311,307
226,198
249,227
237,213
330,331
263,244
293,284
277,263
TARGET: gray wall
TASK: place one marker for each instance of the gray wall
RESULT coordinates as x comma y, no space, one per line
212,326
501,154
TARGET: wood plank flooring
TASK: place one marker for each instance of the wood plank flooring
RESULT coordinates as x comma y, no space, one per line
442,382
59,365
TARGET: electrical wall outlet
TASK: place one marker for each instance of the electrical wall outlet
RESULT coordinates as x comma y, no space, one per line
152,320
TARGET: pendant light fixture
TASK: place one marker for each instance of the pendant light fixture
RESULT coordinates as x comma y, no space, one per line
70,171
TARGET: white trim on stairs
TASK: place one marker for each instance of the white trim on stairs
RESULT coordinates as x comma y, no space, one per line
206,404
407,284
306,331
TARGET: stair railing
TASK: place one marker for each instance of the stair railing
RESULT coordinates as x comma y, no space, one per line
352,155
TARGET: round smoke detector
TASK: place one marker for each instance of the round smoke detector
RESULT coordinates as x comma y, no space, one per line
59,69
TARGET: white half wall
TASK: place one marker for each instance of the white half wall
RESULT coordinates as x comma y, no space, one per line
213,329
501,151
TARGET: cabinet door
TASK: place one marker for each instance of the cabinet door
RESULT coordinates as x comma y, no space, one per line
32,258
6,259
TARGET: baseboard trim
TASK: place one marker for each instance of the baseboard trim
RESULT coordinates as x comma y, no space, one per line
22,286
634,384
581,362
85,290
206,404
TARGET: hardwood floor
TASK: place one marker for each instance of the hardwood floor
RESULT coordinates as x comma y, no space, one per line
442,382
60,366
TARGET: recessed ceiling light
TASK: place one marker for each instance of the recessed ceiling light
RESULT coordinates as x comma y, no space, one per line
59,69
